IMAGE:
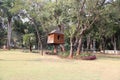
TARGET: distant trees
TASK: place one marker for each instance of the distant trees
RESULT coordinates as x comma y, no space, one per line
87,24
108,26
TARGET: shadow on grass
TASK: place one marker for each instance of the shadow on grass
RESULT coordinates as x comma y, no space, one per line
21,60
1,59
37,60
27,51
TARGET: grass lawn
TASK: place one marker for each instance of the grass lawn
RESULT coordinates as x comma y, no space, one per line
18,65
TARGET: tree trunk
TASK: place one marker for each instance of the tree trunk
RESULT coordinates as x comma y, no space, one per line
115,49
62,47
94,46
79,46
118,41
61,28
9,34
36,37
102,45
71,48
88,42
39,40
30,45
91,45
55,49
76,42
40,45
114,44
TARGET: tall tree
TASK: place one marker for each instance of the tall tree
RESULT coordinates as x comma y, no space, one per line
83,14
6,6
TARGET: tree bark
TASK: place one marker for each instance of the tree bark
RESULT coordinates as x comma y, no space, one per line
30,45
102,45
71,48
118,39
9,34
114,44
115,48
94,46
62,47
61,28
40,46
55,49
79,46
88,42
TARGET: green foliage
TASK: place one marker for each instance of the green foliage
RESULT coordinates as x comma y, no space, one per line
70,30
64,54
77,16
86,54
6,6
17,6
28,39
2,37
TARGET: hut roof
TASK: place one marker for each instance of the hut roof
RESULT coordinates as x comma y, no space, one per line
56,31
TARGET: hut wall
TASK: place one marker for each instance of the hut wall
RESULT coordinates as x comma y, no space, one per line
58,38
50,39
55,39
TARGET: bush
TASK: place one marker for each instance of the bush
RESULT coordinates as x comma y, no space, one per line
88,56
64,54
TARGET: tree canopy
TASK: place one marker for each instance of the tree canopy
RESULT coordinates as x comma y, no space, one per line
86,24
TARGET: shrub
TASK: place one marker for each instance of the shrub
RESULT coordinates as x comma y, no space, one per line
88,56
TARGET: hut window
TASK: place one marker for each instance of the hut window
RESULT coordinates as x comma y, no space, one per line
58,37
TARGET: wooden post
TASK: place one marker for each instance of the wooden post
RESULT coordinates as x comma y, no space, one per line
4,47
62,47
55,49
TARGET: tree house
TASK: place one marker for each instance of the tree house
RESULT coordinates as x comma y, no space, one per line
55,37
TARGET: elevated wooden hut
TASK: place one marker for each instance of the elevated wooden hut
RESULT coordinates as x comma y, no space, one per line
55,37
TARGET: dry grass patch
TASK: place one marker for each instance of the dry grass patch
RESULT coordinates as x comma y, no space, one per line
17,65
